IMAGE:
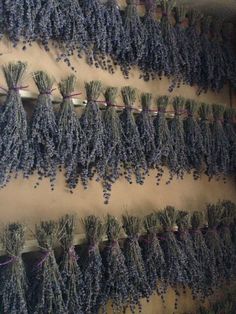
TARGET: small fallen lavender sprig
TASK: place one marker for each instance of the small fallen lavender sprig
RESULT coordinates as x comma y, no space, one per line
47,286
70,271
138,282
135,162
230,133
93,268
146,129
12,272
72,145
193,139
14,144
133,48
43,131
116,276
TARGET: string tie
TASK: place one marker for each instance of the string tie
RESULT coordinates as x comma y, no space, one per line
45,255
11,260
70,96
47,92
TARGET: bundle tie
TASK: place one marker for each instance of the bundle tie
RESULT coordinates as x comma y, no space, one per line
15,88
71,96
9,261
43,259
48,92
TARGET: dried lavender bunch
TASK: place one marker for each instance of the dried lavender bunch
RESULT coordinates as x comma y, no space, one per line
133,48
170,40
146,129
72,145
230,210
204,113
195,277
162,135
193,38
113,144
220,144
47,288
92,125
116,276
153,256
230,133
135,162
153,62
207,63
13,277
14,146
138,282
206,262
177,159
115,39
96,29
213,242
70,271
93,268
175,271
193,139
43,131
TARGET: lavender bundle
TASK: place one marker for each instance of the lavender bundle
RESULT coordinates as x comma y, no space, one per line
14,147
72,145
133,48
115,39
177,159
230,133
13,277
135,159
193,38
92,125
113,143
195,277
162,135
96,29
212,238
43,131
230,210
206,262
93,270
146,129
139,287
153,62
69,268
193,139
204,113
175,271
116,276
170,40
47,288
153,256
220,144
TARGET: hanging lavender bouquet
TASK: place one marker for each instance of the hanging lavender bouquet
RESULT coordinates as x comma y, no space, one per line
133,48
193,139
72,145
177,159
43,131
175,271
230,133
162,136
220,144
113,143
96,29
204,113
138,282
153,62
47,287
92,125
69,268
135,159
193,38
14,147
206,262
12,272
93,268
153,256
116,276
146,129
